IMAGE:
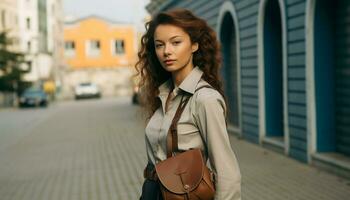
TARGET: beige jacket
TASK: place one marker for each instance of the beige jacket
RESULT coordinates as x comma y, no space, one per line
202,119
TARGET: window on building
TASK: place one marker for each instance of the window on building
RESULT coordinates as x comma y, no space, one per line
93,48
10,18
15,41
53,10
3,18
28,23
29,46
69,48
28,3
118,47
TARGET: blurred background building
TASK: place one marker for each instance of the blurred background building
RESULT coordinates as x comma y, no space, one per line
9,20
35,29
40,25
286,73
95,49
100,51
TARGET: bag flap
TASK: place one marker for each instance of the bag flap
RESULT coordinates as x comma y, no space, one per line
182,172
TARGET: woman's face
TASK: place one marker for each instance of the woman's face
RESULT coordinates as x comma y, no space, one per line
174,48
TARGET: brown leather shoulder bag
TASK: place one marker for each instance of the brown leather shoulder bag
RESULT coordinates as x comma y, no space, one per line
184,176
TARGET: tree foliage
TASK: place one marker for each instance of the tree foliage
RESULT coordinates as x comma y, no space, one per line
10,71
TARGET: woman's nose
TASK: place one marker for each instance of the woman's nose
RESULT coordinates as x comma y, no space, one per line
167,50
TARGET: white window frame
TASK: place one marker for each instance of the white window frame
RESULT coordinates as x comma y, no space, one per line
90,52
114,47
29,46
69,48
311,127
28,23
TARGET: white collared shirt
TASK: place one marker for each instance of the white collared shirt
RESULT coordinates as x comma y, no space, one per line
203,120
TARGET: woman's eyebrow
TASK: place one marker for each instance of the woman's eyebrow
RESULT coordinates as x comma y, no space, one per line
169,39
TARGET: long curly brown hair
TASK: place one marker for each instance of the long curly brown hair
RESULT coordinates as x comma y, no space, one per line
207,57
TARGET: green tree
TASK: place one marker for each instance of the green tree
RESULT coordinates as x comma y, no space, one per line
10,71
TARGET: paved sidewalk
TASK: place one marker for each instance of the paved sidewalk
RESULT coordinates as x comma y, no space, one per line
95,150
268,175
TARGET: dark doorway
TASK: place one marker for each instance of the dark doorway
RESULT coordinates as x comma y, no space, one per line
332,76
229,70
273,70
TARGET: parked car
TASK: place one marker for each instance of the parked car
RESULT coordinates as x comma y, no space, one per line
33,97
87,90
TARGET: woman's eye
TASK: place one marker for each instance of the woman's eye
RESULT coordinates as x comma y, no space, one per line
176,42
159,45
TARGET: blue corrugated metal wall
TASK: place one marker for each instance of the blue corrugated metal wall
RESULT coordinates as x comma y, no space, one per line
296,78
247,12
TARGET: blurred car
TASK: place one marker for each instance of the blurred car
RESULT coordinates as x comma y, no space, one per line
135,81
33,97
87,90
136,96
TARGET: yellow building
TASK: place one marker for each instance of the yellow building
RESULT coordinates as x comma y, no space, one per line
95,42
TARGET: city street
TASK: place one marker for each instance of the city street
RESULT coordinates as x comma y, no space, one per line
94,150
90,149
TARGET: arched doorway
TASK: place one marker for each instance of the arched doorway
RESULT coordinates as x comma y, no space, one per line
228,32
331,76
230,68
273,70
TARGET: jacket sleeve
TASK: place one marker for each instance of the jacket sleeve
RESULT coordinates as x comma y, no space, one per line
210,119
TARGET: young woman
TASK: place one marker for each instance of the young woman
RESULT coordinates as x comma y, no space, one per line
179,54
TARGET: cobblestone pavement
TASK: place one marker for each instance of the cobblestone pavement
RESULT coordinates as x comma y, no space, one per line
94,150
271,176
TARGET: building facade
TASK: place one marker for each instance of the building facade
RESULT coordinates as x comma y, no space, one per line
35,28
9,24
55,44
99,50
286,72
41,38
9,21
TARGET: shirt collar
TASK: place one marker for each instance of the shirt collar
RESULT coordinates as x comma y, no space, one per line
189,84
164,88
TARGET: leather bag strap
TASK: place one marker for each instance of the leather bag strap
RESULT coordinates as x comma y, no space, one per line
172,137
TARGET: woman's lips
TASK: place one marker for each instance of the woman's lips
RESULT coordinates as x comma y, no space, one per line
169,62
